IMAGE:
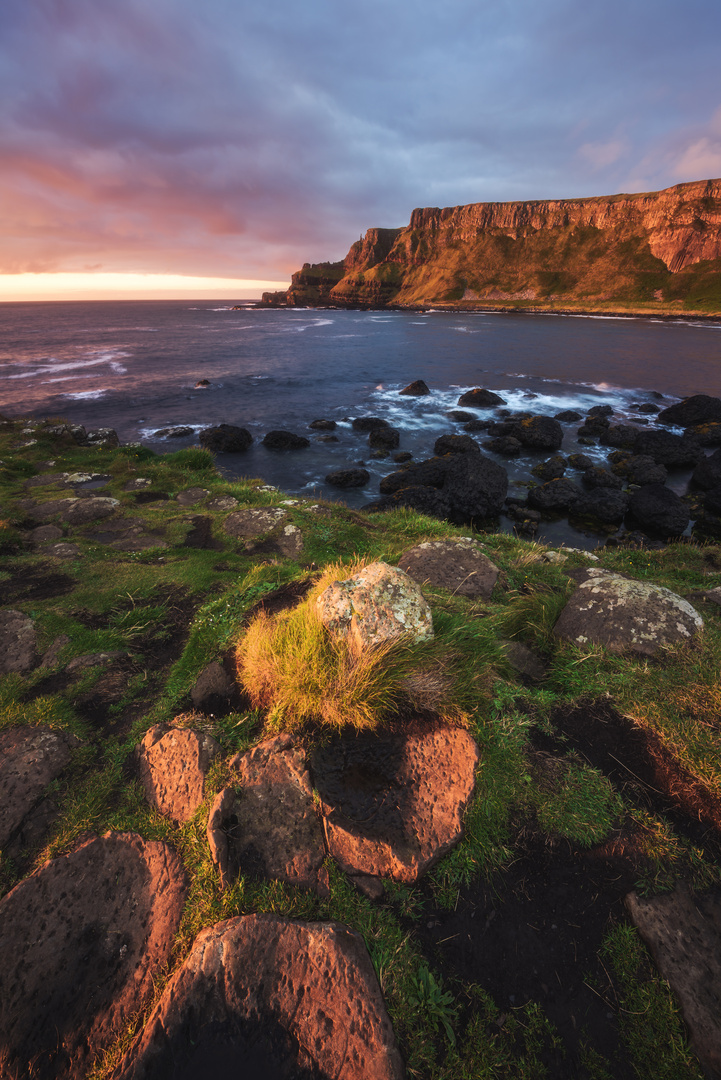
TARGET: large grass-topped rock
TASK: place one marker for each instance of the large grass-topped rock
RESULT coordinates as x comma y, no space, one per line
381,603
266,996
626,615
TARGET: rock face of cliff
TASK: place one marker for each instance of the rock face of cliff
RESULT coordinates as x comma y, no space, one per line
653,251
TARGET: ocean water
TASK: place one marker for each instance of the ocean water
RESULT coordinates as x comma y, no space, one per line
133,366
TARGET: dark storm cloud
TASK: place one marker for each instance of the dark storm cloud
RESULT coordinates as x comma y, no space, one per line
241,139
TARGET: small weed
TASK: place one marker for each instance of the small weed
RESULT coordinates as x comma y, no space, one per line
434,1003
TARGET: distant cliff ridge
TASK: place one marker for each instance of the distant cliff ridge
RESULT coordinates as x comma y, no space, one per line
657,251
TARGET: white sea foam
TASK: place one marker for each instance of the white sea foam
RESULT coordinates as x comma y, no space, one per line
87,394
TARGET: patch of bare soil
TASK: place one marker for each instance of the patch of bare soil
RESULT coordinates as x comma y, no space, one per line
39,582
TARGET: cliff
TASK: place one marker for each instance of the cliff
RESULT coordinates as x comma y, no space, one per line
657,251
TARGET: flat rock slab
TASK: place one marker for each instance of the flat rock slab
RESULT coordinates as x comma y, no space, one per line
74,511
62,551
80,944
173,764
222,503
457,565
379,604
30,757
17,641
127,534
191,496
260,995
683,932
254,521
392,805
626,615
266,825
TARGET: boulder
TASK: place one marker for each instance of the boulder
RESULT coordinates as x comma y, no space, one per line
415,389
619,435
673,451
707,473
554,496
457,565
191,496
552,469
225,439
255,521
17,641
262,995
74,511
480,399
104,437
539,432
30,757
698,409
604,505
638,468
222,503
285,440
323,425
81,942
214,690
424,500
402,456
290,541
581,461
476,425
626,615
472,486
506,445
705,434
393,804
384,438
62,551
380,604
348,478
658,511
461,416
568,416
173,764
455,444
600,411
596,477
368,423
266,825
683,933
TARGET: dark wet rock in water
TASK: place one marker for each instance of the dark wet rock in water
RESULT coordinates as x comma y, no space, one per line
658,511
600,410
225,439
30,757
173,433
707,473
648,407
476,425
348,478
202,383
683,933
467,486
596,477
506,445
369,423
555,495
285,440
415,389
455,444
460,416
705,434
323,425
581,461
17,642
698,409
402,457
637,468
568,416
191,496
215,690
173,764
384,438
394,804
626,615
619,435
673,451
327,438
269,998
457,565
480,399
539,432
265,825
81,942
606,506
551,469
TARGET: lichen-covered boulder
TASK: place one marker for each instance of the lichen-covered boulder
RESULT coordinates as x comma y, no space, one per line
457,565
379,604
626,615
261,995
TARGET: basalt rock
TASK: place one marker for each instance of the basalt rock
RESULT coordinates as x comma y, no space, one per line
415,389
384,438
698,409
323,425
596,477
225,439
348,478
455,444
673,451
619,435
658,511
554,496
380,604
285,440
539,432
604,505
472,486
638,468
551,469
481,399
707,473
17,641
369,423
30,757
173,764
457,565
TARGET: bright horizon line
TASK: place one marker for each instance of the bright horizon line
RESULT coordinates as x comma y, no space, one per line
126,286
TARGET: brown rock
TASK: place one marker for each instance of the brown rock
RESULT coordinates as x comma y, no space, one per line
263,996
62,551
626,615
254,522
526,662
222,503
214,689
683,932
30,757
379,604
45,533
393,804
457,565
81,941
267,825
17,641
173,763
192,495
290,542
74,511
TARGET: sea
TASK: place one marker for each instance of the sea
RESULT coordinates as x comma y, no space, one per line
142,366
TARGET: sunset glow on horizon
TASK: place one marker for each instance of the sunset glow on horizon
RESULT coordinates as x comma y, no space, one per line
118,286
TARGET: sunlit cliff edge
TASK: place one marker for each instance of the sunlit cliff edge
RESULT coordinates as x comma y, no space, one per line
655,252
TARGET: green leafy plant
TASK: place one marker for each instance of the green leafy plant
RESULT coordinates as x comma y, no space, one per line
434,1002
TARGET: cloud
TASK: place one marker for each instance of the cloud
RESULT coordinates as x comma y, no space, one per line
242,140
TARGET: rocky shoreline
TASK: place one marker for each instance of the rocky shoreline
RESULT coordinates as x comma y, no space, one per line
486,873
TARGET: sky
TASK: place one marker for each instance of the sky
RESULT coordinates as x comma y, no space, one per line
146,144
